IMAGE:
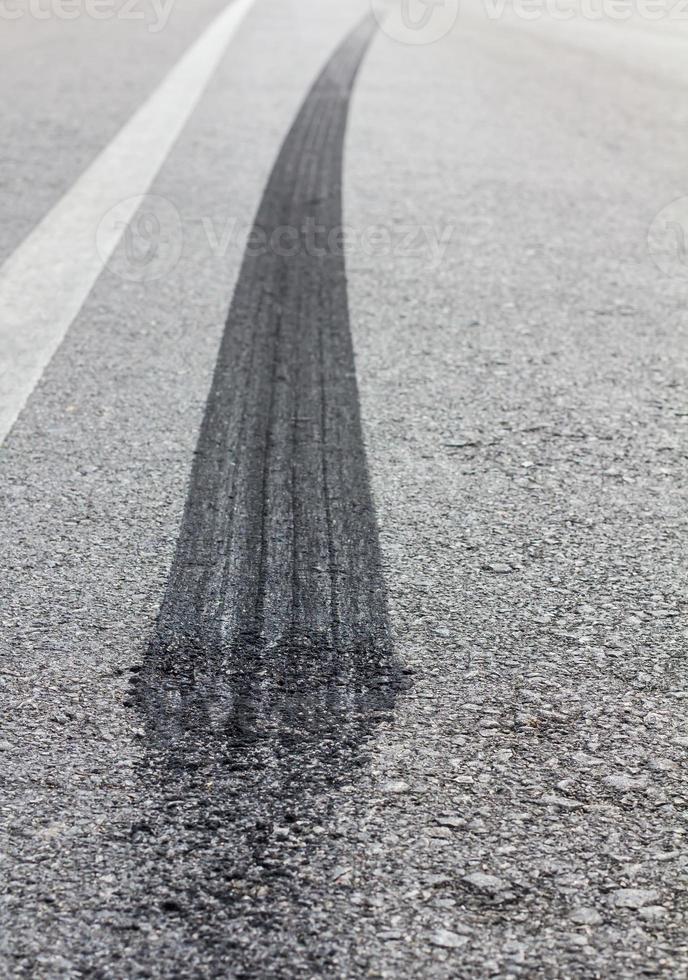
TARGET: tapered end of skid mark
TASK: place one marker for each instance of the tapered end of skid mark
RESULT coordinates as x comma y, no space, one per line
273,649
287,701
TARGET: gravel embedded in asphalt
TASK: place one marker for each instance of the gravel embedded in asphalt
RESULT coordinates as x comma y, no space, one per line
522,812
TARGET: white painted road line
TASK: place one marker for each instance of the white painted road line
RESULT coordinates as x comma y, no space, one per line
45,282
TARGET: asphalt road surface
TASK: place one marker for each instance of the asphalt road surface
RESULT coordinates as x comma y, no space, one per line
343,490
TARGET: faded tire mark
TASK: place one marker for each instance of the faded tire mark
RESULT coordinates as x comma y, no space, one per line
274,628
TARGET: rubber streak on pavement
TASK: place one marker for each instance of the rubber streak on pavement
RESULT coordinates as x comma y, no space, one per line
274,626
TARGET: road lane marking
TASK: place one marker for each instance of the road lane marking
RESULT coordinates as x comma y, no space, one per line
45,282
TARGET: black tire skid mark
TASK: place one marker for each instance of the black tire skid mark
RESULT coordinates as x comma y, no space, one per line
272,660
273,632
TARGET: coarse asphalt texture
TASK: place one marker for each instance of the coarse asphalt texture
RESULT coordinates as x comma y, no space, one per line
519,808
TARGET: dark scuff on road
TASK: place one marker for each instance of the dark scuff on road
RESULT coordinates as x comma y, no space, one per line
272,660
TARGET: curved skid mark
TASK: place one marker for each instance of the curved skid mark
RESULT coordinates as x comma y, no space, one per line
274,625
